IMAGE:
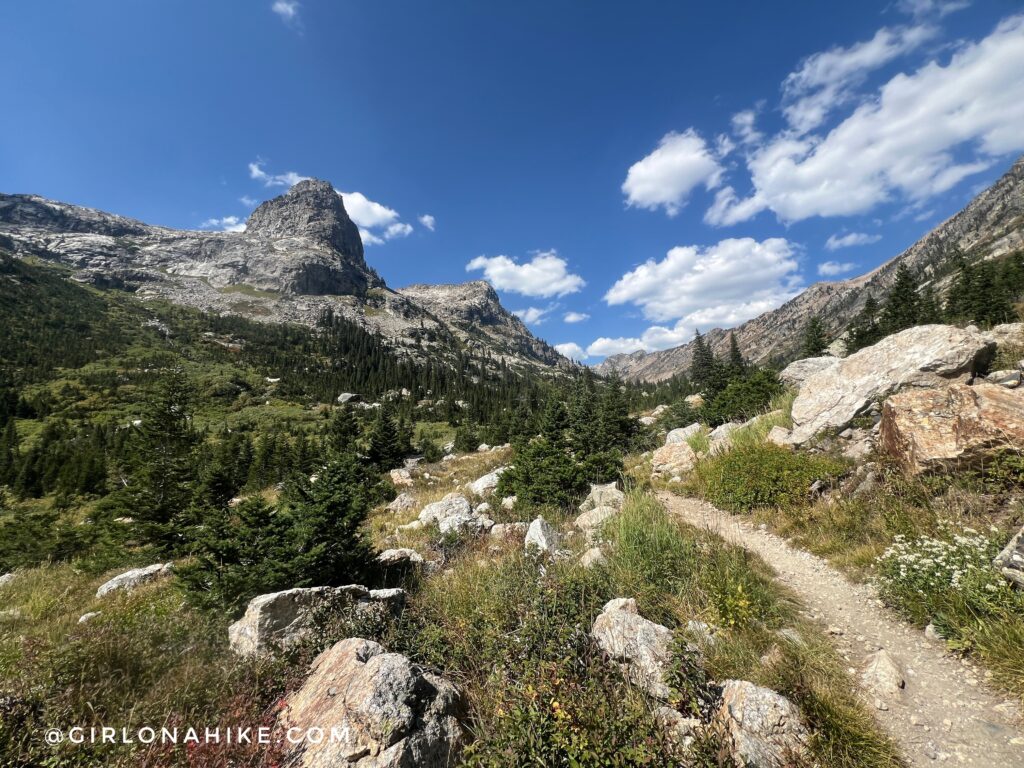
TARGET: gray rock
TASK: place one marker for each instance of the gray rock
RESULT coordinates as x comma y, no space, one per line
6,579
460,524
675,459
129,580
402,503
797,372
1008,379
1010,561
452,504
778,435
931,632
607,495
647,421
386,712
347,397
509,502
400,558
882,676
541,537
487,484
759,728
509,530
595,518
680,435
592,558
641,647
87,617
681,731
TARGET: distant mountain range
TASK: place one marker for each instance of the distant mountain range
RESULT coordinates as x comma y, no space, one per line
300,254
990,226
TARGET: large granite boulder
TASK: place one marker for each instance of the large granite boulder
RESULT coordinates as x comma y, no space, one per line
542,537
487,484
1010,561
674,459
797,372
758,727
452,504
682,434
129,580
956,426
607,495
640,647
595,518
279,620
375,709
923,356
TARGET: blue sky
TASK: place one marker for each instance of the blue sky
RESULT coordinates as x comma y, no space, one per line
623,174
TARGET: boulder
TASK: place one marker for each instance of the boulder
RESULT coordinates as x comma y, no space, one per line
347,397
673,459
460,523
882,676
592,558
85,618
401,478
129,580
1010,561
758,727
400,558
415,525
487,484
482,509
957,426
639,646
483,448
452,504
541,537
6,579
589,521
681,731
923,356
1007,333
680,435
607,495
509,502
281,619
509,530
1008,378
376,710
401,503
659,410
797,372
778,435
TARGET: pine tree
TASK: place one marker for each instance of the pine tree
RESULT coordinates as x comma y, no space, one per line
902,307
865,329
615,427
814,340
342,431
9,454
384,446
705,370
737,365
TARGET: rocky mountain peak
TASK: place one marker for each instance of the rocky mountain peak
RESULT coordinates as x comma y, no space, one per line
311,209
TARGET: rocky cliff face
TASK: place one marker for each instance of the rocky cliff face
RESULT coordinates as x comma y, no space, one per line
990,226
300,254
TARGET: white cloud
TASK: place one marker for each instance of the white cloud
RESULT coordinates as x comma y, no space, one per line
743,125
924,8
533,315
249,202
428,221
396,230
576,317
286,179
572,350
833,268
850,239
730,281
225,224
369,238
824,80
288,10
545,275
604,346
367,213
917,137
666,177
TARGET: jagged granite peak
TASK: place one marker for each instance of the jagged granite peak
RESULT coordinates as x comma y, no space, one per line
311,209
990,226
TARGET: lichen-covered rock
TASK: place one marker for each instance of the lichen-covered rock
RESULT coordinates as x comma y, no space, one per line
641,647
401,503
400,558
923,356
778,435
758,727
1010,561
401,478
452,504
279,620
956,426
607,495
681,731
595,518
509,530
541,537
797,372
376,709
487,484
461,523
680,435
592,558
129,580
674,459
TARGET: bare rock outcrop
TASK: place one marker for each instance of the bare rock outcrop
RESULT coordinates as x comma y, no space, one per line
376,710
955,426
1010,561
639,646
607,495
759,728
797,372
673,459
129,580
923,356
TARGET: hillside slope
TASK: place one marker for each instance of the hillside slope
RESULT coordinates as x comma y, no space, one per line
990,226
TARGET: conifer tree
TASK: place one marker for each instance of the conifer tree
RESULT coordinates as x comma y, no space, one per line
384,446
814,339
902,307
737,365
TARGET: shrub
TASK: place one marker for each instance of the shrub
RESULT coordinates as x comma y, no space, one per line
743,398
761,475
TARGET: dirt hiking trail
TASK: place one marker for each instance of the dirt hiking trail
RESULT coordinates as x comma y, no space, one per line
945,714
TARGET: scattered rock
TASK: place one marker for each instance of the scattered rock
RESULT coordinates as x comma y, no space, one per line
681,731
415,525
87,617
482,509
401,478
483,448
487,484
541,537
401,503
592,558
882,676
778,435
279,620
136,577
680,435
647,421
594,519
1007,333
509,530
386,711
1008,379
452,504
659,410
6,579
347,397
923,356
931,632
674,459
694,401
797,372
759,728
721,437
1010,562
400,558
460,523
641,647
509,502
607,495
958,426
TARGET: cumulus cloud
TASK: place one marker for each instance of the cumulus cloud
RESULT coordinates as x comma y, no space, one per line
576,317
545,275
604,346
572,350
824,80
225,224
850,239
744,126
428,221
369,238
288,10
533,315
666,177
917,137
398,229
286,179
833,268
